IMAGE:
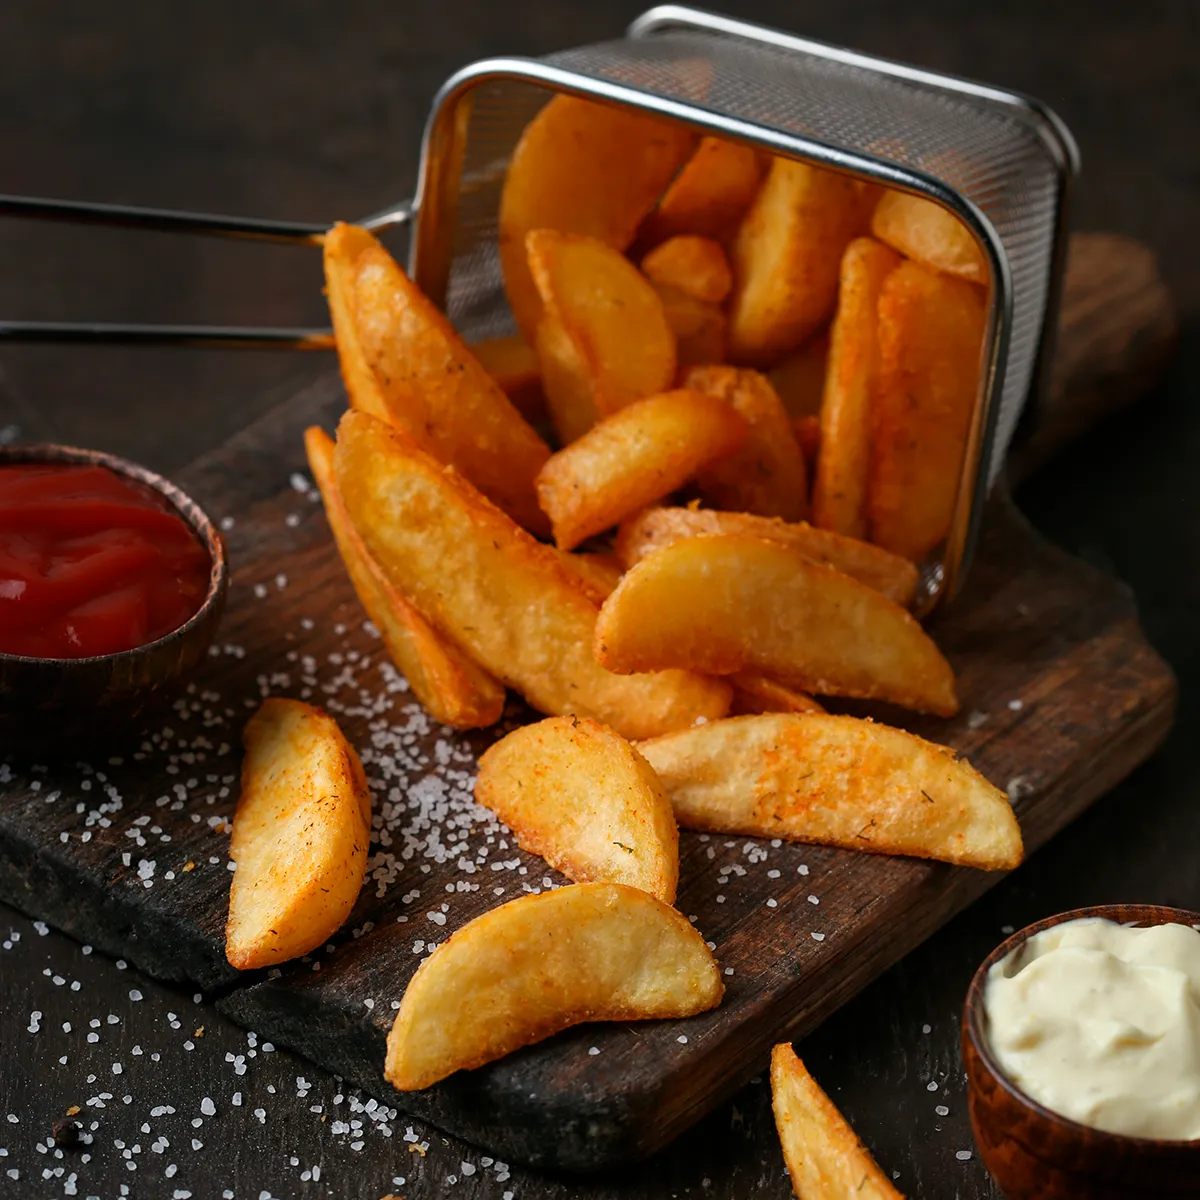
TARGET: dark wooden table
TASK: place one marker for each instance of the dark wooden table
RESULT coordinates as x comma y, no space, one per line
293,111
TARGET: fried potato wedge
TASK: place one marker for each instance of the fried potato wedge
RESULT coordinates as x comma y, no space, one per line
566,381
486,585
700,329
452,688
727,603
766,476
710,194
930,234
600,572
695,265
754,693
786,255
824,1157
930,341
612,315
633,458
655,528
435,389
513,363
799,379
540,964
836,781
300,835
582,167
581,797
840,488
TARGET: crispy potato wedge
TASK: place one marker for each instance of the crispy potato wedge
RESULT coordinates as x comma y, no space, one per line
582,167
633,458
700,329
655,528
540,964
754,693
566,381
727,603
840,488
824,1157
836,781
695,265
581,797
494,591
785,258
710,194
609,311
436,390
513,363
930,341
300,835
766,476
930,234
453,689
799,379
600,572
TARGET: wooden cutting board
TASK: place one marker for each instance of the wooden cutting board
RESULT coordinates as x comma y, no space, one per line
1062,697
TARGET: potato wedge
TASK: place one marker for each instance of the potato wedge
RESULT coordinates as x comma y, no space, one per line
600,572
581,797
710,194
824,1157
785,258
623,346
766,476
727,603
700,329
930,342
300,835
754,693
695,265
633,458
513,363
840,489
930,234
452,688
655,528
836,781
494,591
582,167
566,381
799,379
436,390
540,964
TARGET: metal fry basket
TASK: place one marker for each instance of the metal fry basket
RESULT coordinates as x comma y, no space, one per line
1001,162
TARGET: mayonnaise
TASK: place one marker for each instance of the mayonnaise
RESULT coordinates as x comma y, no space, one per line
1100,1023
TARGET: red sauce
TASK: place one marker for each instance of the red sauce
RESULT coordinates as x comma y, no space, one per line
91,563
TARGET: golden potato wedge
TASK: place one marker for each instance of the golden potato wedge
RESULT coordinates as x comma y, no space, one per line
840,489
633,458
436,390
930,341
754,693
513,363
766,476
582,167
710,194
824,1157
699,328
540,964
600,572
581,797
504,598
726,603
785,258
614,319
836,781
300,835
695,265
566,381
655,528
799,379
930,234
453,689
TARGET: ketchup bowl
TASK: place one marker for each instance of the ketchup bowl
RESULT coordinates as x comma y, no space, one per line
1032,1152
53,704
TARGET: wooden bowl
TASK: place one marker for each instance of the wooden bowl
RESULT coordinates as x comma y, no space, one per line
53,706
1035,1154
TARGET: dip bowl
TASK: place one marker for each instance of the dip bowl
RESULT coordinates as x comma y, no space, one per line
53,706
1033,1153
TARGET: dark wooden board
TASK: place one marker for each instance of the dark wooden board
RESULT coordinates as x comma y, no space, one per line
1061,698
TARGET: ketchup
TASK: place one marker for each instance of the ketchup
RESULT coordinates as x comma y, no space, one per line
91,562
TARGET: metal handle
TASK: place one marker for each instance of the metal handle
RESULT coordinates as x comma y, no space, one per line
166,221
